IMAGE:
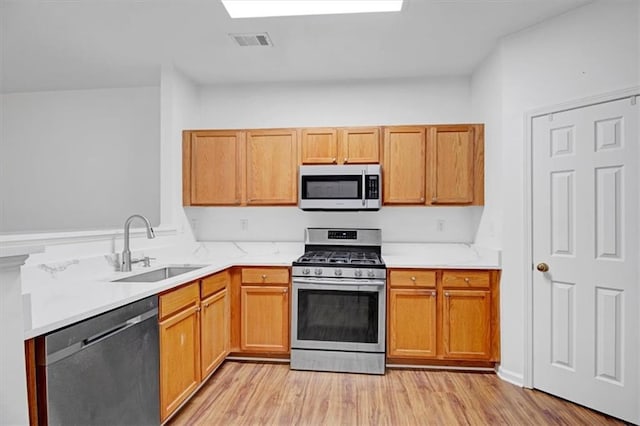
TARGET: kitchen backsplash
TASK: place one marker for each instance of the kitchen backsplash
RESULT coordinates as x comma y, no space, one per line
398,224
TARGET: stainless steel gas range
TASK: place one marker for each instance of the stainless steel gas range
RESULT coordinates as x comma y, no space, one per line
338,303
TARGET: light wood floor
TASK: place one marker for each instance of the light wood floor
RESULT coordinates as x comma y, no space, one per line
271,394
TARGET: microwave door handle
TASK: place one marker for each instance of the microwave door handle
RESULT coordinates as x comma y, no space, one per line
364,186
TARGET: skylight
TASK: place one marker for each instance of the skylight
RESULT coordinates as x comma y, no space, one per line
266,8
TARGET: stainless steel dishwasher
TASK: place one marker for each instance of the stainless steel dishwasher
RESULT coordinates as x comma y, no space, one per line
104,370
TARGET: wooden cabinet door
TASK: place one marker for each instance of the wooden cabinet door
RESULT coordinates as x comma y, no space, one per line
264,318
404,165
412,323
466,324
360,145
451,165
179,359
213,169
272,167
214,331
319,146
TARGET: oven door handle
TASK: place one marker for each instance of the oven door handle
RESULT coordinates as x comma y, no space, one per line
337,282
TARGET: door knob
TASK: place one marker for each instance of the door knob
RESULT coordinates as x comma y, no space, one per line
542,267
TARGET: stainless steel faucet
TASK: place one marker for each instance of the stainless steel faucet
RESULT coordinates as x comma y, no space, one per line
125,266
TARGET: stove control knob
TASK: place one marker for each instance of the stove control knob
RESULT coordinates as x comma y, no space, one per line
370,273
306,271
358,272
318,271
338,272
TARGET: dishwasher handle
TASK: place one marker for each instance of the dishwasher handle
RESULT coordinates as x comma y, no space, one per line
99,337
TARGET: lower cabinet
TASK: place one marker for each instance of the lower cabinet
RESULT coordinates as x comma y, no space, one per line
444,315
264,310
179,347
194,338
408,307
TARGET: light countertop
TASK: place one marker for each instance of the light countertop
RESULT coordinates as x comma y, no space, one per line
62,293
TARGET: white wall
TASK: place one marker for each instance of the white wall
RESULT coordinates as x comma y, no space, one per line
588,51
77,160
355,103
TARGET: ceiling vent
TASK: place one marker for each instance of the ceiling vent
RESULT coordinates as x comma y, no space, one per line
257,39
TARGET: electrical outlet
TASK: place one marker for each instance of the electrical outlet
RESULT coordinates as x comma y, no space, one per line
440,225
244,224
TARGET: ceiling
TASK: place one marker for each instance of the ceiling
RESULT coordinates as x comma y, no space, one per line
78,44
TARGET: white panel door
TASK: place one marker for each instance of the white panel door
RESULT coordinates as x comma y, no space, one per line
585,229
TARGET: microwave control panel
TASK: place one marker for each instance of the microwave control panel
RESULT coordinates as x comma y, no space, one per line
373,187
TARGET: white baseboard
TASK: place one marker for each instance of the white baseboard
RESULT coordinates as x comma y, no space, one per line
510,376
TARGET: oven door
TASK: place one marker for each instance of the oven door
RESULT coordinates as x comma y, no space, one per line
338,314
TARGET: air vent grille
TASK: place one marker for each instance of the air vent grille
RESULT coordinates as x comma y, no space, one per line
248,40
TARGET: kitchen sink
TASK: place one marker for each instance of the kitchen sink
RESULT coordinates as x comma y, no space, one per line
158,274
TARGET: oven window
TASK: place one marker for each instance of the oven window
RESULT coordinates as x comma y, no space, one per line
331,187
338,316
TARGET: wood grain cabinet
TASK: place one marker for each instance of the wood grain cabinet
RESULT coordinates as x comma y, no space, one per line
239,167
272,167
455,164
404,165
433,165
444,315
215,322
194,337
212,163
264,310
356,145
179,346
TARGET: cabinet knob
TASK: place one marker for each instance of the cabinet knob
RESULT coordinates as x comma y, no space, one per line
206,305
413,279
198,309
434,199
446,294
466,280
346,160
334,160
433,294
285,290
264,277
422,199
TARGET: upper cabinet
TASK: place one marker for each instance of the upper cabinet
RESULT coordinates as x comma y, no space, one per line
434,165
403,167
239,167
272,167
212,167
319,146
455,164
421,165
358,145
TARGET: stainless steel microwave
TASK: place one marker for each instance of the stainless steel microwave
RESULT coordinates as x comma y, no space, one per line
340,187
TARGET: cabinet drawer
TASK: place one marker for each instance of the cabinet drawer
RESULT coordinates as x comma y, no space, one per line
179,299
412,278
265,276
466,279
213,283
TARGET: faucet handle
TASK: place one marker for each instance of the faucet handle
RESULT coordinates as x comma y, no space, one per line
146,261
